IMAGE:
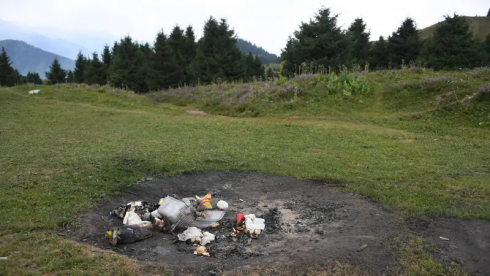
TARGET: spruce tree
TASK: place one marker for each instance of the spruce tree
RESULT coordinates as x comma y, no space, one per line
189,53
405,44
177,42
269,73
126,65
56,74
18,78
360,41
94,71
320,41
33,78
379,57
206,66
452,45
106,60
229,56
145,54
249,66
70,78
164,70
259,70
486,49
80,65
8,76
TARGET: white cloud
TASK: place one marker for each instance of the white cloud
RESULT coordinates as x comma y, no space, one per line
266,23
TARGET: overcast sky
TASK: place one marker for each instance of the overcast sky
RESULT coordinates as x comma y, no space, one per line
267,23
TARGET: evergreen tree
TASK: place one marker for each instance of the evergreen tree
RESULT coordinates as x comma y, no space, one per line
33,78
486,48
249,66
379,57
177,42
320,42
206,66
80,65
258,68
94,71
452,45
18,78
106,60
127,65
56,74
70,78
230,57
8,76
405,43
164,70
360,41
189,53
145,54
269,73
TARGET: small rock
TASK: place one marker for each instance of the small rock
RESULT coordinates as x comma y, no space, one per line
364,246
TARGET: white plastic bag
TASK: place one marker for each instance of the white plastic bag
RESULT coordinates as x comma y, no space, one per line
254,223
131,218
191,233
207,238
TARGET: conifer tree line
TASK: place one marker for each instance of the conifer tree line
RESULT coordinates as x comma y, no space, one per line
174,59
321,43
177,59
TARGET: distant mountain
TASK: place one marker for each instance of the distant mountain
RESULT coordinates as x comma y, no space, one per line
479,24
64,47
248,47
27,58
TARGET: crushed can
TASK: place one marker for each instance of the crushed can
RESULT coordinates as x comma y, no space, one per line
129,233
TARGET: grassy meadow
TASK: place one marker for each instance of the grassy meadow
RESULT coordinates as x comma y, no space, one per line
412,139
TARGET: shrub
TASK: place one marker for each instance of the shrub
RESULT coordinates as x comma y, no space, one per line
484,92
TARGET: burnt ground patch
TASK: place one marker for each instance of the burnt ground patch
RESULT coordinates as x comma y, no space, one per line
308,223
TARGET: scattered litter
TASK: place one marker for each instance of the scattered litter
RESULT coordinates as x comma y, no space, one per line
129,233
34,91
196,236
364,246
192,233
132,218
3,258
184,213
442,238
248,224
190,214
207,238
201,250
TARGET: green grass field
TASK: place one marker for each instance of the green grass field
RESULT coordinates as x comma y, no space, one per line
410,144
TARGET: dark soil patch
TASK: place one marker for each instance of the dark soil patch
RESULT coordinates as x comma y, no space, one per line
460,241
308,223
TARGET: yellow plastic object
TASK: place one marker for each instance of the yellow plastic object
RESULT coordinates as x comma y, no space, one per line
205,201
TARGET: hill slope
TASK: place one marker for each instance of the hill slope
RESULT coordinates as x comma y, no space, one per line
25,58
479,24
64,47
248,47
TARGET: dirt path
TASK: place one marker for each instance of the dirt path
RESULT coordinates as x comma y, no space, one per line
307,223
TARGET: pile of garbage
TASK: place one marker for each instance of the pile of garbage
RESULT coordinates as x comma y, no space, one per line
187,216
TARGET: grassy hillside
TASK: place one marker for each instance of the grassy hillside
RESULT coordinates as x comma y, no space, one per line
479,24
410,140
27,58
